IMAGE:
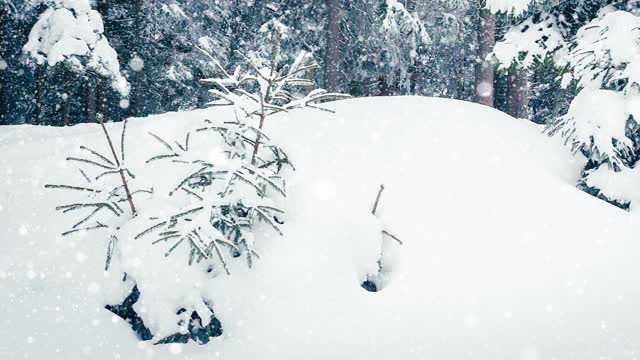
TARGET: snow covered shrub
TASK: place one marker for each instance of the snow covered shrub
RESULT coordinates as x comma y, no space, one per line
218,192
597,47
403,34
71,33
605,65
221,202
602,119
174,310
231,197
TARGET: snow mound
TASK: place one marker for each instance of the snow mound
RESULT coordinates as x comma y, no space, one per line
503,257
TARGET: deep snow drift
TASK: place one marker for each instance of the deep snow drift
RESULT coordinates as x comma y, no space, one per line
503,258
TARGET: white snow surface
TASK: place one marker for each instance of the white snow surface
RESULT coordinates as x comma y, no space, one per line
503,258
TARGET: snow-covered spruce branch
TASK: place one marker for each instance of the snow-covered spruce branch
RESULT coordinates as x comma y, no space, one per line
218,205
261,91
103,202
221,201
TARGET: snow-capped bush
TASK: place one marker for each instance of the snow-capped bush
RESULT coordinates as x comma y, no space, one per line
605,65
605,52
260,90
217,192
231,197
72,33
530,42
597,125
601,61
515,7
403,34
620,187
219,204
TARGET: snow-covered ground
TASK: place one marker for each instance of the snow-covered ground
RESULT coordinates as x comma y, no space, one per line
503,258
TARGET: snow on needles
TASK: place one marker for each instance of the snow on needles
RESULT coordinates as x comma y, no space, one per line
595,119
72,33
606,55
607,49
534,40
509,6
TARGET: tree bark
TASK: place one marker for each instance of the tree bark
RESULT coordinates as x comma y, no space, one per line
484,68
91,108
4,25
65,110
39,92
517,93
332,55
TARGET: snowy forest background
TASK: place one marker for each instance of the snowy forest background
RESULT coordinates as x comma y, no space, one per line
480,225
571,65
364,48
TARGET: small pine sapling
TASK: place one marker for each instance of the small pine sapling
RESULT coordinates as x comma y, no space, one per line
221,203
101,204
224,201
262,91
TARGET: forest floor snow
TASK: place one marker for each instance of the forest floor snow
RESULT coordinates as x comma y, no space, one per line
503,258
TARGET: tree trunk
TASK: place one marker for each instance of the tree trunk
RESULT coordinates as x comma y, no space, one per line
135,102
309,74
484,68
66,105
4,59
413,78
91,108
3,97
517,93
103,100
102,6
332,57
39,93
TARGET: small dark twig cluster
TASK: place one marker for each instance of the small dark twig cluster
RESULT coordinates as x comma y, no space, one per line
373,212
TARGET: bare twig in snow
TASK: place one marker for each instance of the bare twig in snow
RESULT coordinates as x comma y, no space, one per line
121,171
375,205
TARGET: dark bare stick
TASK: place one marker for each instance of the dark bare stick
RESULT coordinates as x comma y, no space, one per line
375,208
385,232
115,157
375,205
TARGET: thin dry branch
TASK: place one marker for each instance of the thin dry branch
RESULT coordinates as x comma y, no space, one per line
373,212
115,157
375,205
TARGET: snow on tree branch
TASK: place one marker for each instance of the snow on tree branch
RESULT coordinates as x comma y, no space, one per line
596,123
101,202
515,7
605,65
531,42
606,51
72,33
